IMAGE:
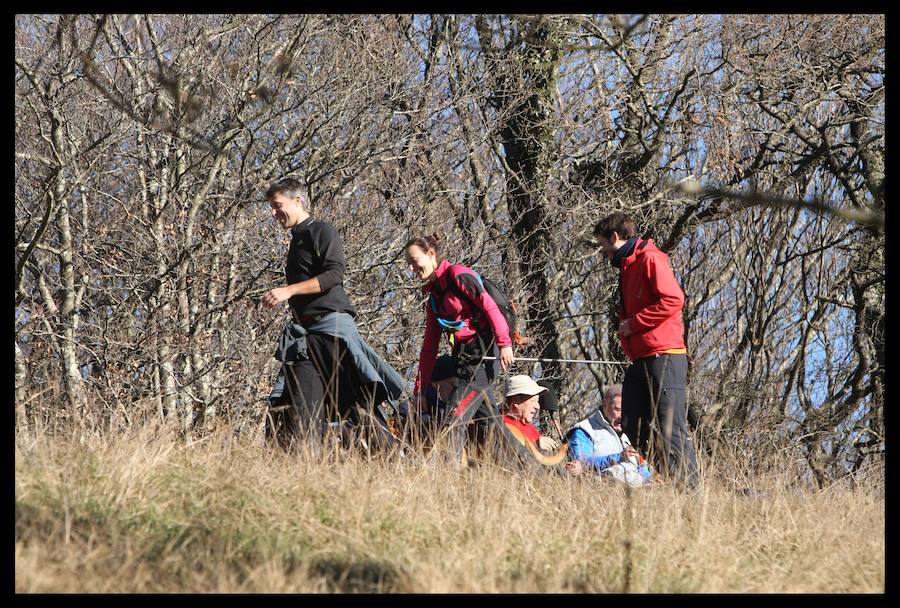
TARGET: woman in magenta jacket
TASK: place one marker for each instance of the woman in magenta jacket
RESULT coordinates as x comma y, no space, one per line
460,307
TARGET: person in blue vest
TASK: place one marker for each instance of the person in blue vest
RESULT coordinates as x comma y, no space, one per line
598,444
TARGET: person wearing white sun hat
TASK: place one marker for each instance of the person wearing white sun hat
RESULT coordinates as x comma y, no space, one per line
522,403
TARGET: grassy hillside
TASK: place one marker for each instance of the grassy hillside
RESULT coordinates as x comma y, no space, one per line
143,512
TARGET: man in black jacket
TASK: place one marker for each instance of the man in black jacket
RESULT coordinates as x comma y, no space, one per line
329,370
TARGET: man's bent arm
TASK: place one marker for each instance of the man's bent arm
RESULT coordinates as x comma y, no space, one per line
304,288
276,296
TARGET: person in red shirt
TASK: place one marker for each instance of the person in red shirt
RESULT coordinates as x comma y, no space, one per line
654,408
522,403
459,306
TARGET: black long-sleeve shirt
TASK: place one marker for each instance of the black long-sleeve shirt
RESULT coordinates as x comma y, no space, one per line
317,251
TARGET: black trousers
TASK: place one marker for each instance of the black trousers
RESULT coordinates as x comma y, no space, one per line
654,414
325,388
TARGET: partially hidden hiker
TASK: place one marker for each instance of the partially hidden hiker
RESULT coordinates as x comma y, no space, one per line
329,372
433,408
440,388
597,444
548,418
653,394
459,306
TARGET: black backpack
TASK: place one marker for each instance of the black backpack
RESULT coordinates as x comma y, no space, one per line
507,308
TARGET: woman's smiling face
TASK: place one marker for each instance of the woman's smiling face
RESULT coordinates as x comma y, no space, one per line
420,262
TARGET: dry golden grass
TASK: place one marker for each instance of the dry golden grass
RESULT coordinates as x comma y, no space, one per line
143,512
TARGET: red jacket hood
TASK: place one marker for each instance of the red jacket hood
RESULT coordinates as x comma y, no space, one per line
642,247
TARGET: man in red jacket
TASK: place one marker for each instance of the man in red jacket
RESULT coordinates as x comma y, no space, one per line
650,302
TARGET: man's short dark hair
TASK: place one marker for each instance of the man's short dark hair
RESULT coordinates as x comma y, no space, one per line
290,187
615,222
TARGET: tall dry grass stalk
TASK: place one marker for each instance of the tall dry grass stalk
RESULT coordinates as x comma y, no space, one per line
142,511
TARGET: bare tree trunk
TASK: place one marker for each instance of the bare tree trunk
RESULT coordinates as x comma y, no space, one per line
201,361
196,359
23,410
527,139
161,301
74,383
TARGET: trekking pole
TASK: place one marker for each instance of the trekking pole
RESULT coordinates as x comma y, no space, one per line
538,360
